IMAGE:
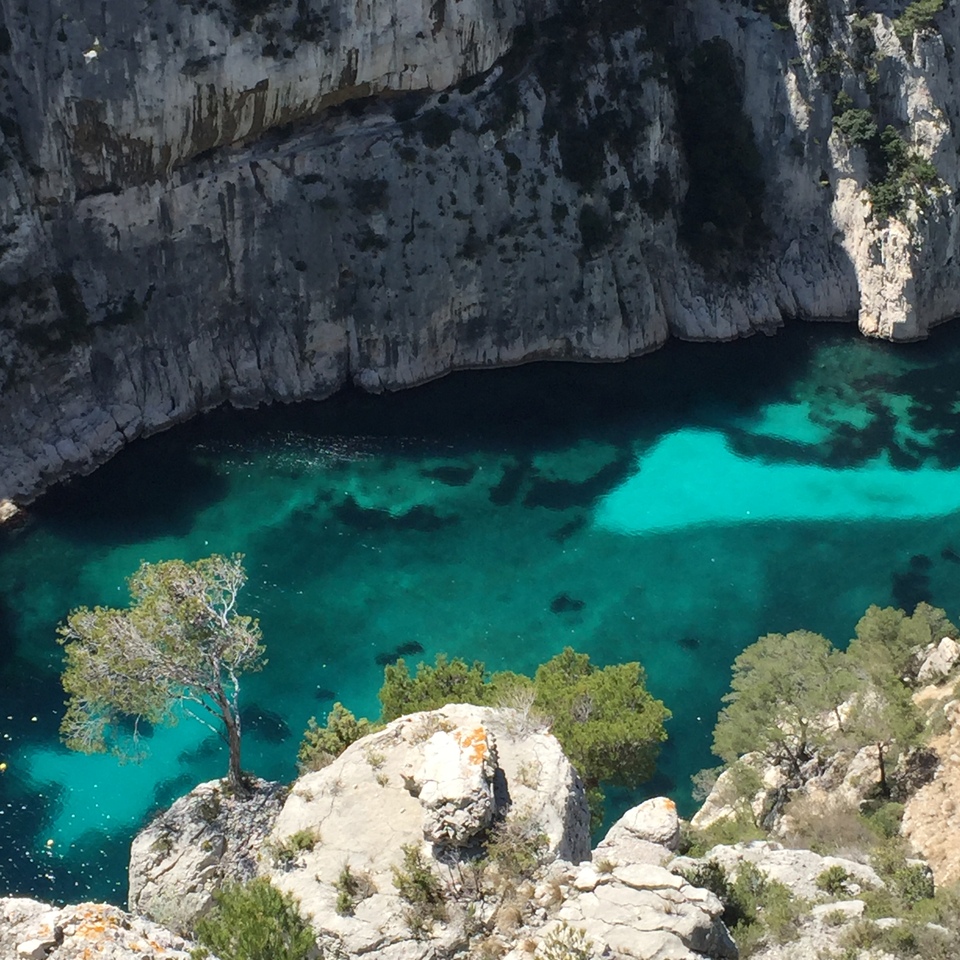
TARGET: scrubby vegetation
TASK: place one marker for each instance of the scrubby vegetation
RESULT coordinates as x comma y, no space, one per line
755,909
254,921
919,15
796,699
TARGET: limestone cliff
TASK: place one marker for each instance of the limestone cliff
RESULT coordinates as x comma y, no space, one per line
251,200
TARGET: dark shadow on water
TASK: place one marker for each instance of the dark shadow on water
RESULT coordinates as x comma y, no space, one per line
387,657
564,494
154,488
506,490
325,695
564,603
206,750
689,642
911,586
8,632
420,519
451,476
166,791
265,724
564,533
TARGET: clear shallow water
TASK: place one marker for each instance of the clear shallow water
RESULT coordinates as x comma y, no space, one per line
687,502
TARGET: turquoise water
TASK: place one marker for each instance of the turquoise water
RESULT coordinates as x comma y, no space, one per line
669,509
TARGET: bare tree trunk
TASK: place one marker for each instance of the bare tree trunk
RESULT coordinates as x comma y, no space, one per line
235,777
884,789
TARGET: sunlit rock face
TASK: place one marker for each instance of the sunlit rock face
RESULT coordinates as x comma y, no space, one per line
247,201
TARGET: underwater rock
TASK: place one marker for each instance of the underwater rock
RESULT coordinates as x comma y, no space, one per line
564,603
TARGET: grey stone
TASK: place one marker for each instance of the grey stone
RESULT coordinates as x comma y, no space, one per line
205,839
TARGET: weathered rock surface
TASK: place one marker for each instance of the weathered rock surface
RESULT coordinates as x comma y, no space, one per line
386,791
30,930
640,910
188,218
207,838
648,833
939,661
456,785
931,817
795,869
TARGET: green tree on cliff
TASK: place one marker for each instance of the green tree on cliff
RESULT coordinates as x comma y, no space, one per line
180,643
784,688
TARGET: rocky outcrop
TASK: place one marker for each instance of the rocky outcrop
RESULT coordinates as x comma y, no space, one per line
797,870
455,832
625,903
939,661
244,201
206,839
431,783
30,930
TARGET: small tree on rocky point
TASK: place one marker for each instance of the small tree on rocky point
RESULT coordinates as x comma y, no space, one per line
180,643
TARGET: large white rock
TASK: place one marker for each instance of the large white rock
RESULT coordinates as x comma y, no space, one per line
455,785
376,797
647,833
795,869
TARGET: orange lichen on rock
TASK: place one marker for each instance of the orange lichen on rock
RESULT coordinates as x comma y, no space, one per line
474,744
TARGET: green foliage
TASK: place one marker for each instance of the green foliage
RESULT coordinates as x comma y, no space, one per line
566,943
322,745
886,819
450,681
255,922
782,687
420,887
729,830
606,720
857,125
723,208
180,643
516,847
886,638
908,176
287,850
833,880
908,882
756,909
917,17
351,887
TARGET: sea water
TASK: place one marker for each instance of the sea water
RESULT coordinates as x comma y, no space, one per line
670,509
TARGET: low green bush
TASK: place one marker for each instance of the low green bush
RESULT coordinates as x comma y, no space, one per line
254,921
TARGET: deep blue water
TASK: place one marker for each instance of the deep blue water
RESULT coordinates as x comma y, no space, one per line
687,502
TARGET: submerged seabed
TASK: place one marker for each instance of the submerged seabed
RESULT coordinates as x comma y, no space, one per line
669,509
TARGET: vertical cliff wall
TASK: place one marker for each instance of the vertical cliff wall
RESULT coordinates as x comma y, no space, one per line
246,200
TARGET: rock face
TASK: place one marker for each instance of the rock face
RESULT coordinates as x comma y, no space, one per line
931,817
243,200
429,782
627,904
205,839
939,661
33,931
455,784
